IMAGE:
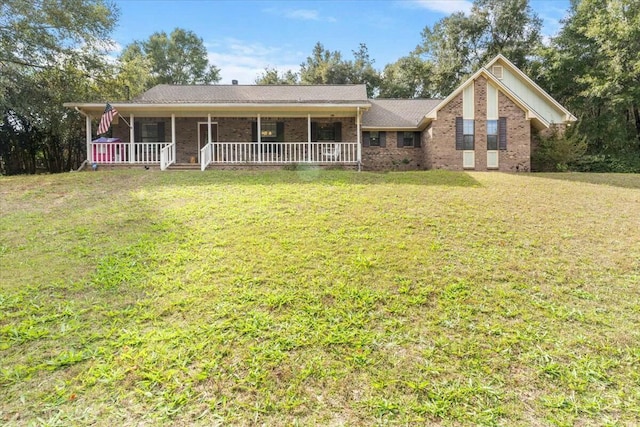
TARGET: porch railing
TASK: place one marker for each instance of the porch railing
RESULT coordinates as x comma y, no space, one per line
125,152
279,153
167,156
206,154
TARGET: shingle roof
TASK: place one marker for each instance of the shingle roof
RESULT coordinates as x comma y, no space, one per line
260,94
397,113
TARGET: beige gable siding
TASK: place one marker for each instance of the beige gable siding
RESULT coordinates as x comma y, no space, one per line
468,104
492,102
531,98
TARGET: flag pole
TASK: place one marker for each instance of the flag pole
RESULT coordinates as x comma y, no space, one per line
124,120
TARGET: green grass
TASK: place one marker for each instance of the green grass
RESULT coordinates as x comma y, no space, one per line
319,298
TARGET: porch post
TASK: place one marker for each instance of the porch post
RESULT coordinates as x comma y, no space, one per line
132,136
259,126
358,138
208,136
309,138
173,135
88,130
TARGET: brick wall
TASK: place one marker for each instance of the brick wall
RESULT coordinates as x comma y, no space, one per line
440,149
392,157
517,156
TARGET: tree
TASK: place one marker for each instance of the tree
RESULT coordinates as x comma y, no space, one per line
37,33
458,44
323,67
361,70
326,67
271,76
177,58
408,77
593,66
50,52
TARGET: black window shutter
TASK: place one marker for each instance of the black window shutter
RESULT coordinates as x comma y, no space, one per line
254,131
279,131
137,132
383,139
502,133
459,133
337,131
314,131
400,138
416,139
160,131
365,139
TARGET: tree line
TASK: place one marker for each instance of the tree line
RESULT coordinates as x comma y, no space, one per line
54,51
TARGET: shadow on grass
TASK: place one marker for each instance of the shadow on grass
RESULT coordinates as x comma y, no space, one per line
623,180
319,176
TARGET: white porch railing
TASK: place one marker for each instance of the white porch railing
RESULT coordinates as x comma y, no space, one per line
167,156
279,153
206,155
125,152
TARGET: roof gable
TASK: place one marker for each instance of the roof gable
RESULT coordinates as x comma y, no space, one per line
508,91
433,114
526,80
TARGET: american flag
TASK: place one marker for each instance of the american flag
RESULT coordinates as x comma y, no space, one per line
107,118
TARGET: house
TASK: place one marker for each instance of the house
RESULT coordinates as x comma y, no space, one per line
490,122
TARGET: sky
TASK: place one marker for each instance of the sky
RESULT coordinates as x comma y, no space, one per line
244,37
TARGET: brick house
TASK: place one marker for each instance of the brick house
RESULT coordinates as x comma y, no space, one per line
488,123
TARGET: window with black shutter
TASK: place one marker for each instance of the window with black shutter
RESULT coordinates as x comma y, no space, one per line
408,139
326,132
468,134
492,134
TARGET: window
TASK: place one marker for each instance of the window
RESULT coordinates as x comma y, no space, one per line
268,130
468,134
408,139
326,132
330,132
492,134
374,138
147,131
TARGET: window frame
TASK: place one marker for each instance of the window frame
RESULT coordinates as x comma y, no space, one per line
412,139
492,137
268,126
324,130
468,134
376,138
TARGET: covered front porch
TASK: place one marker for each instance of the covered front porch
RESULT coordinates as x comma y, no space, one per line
222,138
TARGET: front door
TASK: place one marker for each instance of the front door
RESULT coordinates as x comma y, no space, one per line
203,135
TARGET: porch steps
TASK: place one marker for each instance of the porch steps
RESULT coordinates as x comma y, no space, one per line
184,167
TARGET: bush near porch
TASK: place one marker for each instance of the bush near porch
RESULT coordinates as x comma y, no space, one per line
319,298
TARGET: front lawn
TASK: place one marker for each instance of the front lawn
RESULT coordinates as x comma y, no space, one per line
319,298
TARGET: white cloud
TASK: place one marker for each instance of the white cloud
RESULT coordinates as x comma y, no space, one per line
300,14
245,61
445,6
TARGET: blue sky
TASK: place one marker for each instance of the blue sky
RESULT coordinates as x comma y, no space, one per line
244,37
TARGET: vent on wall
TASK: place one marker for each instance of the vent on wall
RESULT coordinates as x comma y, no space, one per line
496,70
